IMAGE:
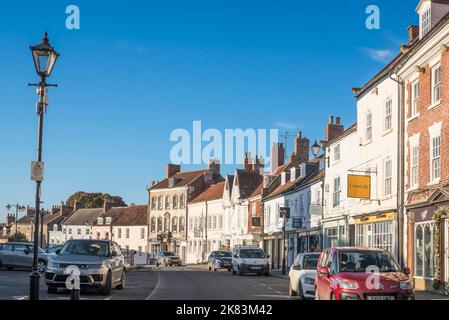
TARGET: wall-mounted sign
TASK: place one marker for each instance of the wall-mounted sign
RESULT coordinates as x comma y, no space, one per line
256,221
297,223
359,186
381,217
316,210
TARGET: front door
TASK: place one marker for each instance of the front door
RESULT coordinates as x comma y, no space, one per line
446,250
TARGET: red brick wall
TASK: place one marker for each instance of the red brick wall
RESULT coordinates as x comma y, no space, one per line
426,119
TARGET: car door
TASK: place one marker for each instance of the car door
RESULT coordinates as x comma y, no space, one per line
6,254
327,279
21,256
117,263
320,277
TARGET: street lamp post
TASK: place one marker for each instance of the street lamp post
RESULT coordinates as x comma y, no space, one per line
44,57
18,208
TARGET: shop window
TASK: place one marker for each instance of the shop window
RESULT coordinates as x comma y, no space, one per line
424,264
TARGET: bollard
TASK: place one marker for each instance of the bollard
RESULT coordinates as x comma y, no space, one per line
75,294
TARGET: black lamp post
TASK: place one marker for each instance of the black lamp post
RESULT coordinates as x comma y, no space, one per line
44,57
18,208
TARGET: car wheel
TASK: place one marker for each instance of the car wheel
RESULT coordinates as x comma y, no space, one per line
52,289
267,273
121,286
106,290
300,292
233,271
9,268
1,263
41,266
215,269
157,263
291,292
333,296
240,271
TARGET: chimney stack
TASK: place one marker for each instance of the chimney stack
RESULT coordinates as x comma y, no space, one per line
172,169
246,164
77,205
333,129
302,151
277,156
214,166
413,34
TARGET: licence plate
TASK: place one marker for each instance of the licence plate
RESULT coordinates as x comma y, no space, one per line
380,298
256,268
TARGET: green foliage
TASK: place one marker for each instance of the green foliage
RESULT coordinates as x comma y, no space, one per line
18,237
94,200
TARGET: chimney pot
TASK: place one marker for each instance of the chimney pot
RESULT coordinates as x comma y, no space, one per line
331,119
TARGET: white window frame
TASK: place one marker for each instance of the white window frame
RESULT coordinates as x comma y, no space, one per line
336,193
388,115
388,177
415,99
436,85
426,22
337,154
368,126
435,158
423,225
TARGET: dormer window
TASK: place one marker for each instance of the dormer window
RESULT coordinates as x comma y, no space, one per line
426,22
100,221
108,220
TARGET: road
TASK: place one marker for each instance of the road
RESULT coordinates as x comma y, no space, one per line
170,283
162,283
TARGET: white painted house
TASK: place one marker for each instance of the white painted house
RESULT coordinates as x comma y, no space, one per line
205,224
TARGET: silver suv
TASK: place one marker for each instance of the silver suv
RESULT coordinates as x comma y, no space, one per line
20,255
100,263
168,259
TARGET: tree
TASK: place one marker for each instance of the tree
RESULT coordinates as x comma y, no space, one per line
18,237
94,200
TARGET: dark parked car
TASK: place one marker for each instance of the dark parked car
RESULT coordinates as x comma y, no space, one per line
20,255
220,260
100,262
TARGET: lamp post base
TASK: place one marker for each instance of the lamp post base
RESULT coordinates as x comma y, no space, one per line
34,284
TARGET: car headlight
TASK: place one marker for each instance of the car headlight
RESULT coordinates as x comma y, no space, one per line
310,281
97,266
406,285
52,264
348,284
218,261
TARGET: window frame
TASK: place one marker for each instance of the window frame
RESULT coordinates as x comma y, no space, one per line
435,159
388,114
436,86
415,94
368,126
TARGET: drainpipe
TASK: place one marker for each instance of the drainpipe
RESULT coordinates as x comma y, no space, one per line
401,167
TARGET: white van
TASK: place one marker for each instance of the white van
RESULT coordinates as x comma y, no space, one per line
249,259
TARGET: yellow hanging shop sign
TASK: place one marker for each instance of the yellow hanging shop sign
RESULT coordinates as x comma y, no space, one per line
359,186
375,218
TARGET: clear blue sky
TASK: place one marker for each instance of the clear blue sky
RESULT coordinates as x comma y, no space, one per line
139,69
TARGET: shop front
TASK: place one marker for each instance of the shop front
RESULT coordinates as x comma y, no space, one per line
308,240
428,238
377,230
334,231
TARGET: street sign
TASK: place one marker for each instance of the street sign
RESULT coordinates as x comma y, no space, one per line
256,221
37,170
316,210
284,211
359,187
297,223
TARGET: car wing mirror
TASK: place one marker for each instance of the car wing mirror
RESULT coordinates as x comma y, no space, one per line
26,251
406,270
114,253
236,256
296,267
58,251
323,271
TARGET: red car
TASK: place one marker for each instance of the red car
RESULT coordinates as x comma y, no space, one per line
361,274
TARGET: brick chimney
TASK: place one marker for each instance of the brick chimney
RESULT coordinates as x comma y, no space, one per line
277,156
77,205
257,164
246,165
333,129
301,148
214,166
413,34
172,169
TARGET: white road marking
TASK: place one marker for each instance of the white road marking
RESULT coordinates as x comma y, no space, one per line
21,298
155,288
263,284
270,288
279,292
108,298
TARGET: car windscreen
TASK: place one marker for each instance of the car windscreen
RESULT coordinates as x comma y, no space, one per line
310,262
252,253
363,261
85,248
222,254
169,254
